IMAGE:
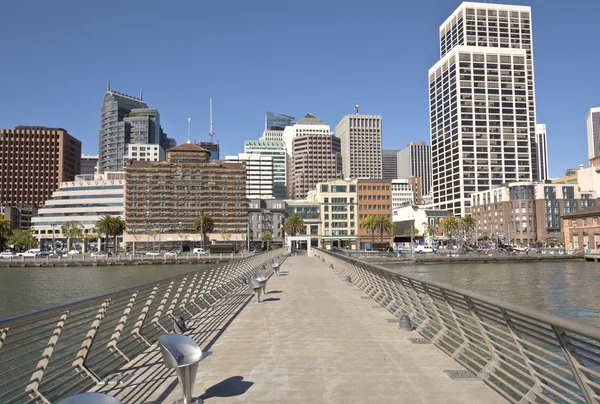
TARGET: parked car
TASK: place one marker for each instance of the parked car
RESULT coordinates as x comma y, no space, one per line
370,250
171,254
200,251
44,253
74,252
28,254
153,253
98,254
6,254
424,249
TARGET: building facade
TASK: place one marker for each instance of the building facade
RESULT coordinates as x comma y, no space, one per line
415,161
593,132
213,148
524,212
316,158
34,160
361,144
419,219
402,193
542,151
83,200
145,152
89,164
482,103
389,164
338,214
164,199
310,212
275,150
265,218
20,217
582,229
277,122
374,198
259,174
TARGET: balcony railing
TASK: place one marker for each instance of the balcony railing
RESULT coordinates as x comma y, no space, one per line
527,356
58,352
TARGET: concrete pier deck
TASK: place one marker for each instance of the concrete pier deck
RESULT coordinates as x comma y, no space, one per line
314,339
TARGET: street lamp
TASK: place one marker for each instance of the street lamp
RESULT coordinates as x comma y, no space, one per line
53,246
412,246
248,235
180,237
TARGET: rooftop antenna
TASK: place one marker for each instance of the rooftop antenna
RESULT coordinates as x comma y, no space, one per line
211,133
356,109
189,123
141,93
108,84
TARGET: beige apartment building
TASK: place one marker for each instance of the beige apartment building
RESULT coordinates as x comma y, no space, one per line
361,145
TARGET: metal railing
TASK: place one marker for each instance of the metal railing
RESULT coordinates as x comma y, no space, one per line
58,352
526,355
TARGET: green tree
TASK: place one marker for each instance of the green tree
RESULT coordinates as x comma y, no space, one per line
266,238
293,225
23,239
119,227
370,225
72,230
411,231
106,226
430,231
449,227
5,229
380,223
205,224
466,226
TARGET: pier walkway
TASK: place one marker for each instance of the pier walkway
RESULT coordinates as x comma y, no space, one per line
314,339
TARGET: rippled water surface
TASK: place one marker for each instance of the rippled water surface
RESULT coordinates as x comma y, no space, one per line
569,289
23,290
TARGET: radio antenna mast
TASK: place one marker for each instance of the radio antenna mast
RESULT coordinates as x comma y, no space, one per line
211,133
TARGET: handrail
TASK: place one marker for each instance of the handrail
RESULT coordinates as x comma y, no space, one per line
54,353
526,355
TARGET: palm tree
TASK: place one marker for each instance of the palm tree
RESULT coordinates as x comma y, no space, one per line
72,230
266,238
430,231
5,229
449,226
106,226
370,225
119,227
205,224
385,225
293,225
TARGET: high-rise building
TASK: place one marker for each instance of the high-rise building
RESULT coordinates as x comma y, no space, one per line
542,151
89,164
593,132
276,121
316,158
482,103
275,150
308,125
213,148
124,120
389,164
34,160
164,198
145,152
402,193
272,135
361,145
415,161
259,174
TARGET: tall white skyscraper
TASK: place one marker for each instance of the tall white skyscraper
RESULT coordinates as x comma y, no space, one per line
275,150
482,103
542,151
361,145
593,132
415,161
389,164
259,174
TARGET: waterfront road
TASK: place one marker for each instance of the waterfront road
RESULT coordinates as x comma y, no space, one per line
314,339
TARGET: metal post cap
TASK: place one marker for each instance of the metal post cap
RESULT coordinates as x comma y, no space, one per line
405,323
348,279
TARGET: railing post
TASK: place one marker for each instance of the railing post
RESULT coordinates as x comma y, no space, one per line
571,357
89,340
114,338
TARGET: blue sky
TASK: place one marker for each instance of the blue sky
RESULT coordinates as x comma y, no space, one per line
290,57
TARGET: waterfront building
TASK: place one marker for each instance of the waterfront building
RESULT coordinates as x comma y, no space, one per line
374,197
19,216
482,103
163,199
84,200
124,120
361,144
415,161
402,193
259,174
542,151
316,158
419,218
275,150
266,216
145,152
34,160
526,212
89,164
338,214
310,212
582,228
389,164
593,132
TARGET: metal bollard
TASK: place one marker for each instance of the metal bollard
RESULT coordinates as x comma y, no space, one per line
262,282
348,279
90,398
331,266
405,323
256,287
275,266
183,354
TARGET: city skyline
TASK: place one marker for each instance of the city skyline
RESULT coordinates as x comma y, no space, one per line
395,87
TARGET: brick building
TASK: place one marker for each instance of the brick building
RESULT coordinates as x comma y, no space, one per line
164,198
582,228
34,160
374,197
